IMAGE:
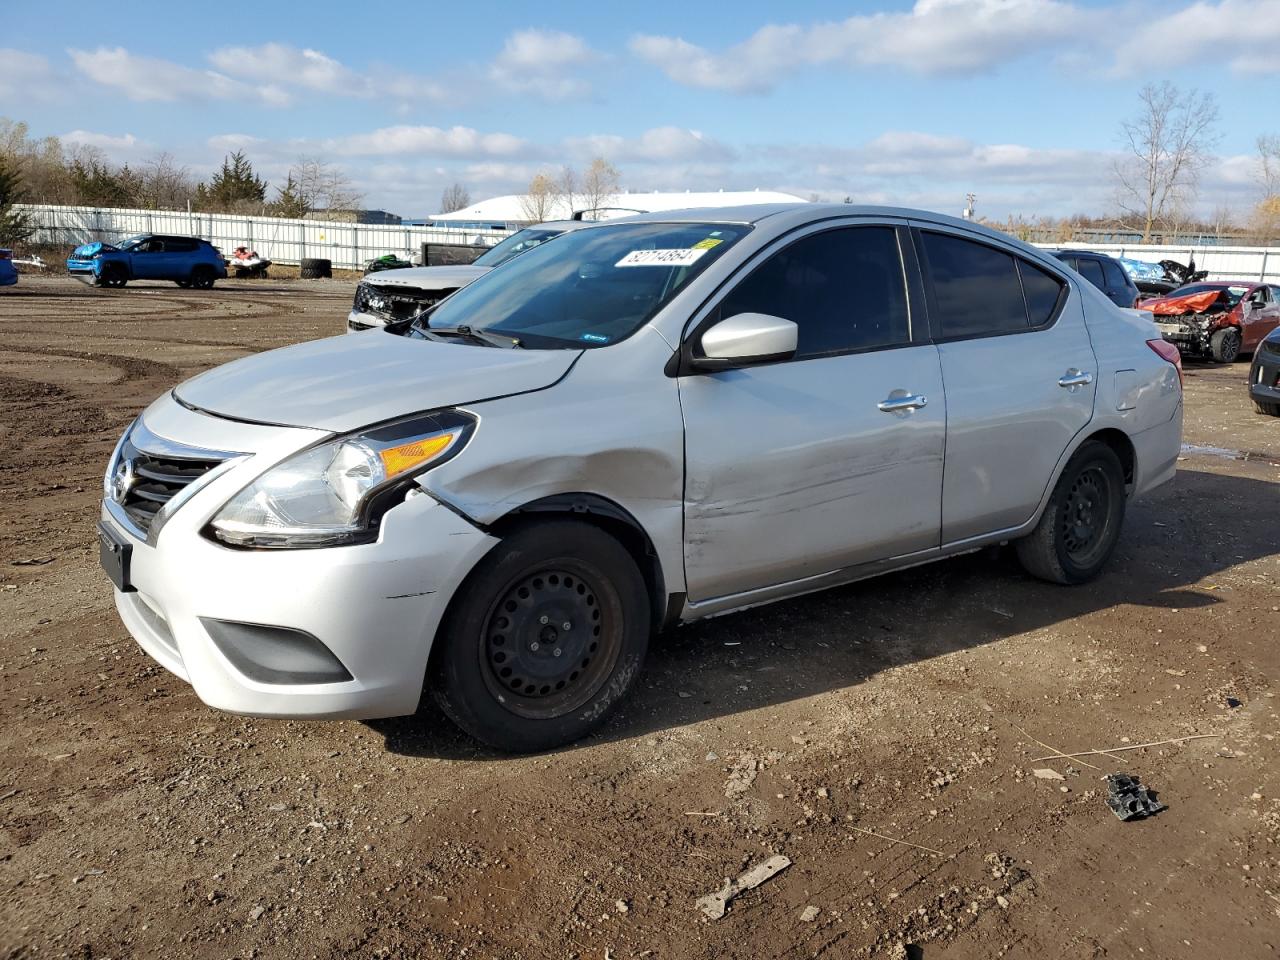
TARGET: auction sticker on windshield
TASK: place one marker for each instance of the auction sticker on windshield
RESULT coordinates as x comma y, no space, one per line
661,258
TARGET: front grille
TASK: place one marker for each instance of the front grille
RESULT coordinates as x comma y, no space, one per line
398,304
143,481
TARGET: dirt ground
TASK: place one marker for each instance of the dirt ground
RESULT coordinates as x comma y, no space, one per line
882,736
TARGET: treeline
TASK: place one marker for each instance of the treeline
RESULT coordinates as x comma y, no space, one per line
48,170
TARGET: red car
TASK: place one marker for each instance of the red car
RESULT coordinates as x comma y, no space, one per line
1218,320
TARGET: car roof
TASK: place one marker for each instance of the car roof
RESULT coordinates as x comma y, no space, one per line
1085,253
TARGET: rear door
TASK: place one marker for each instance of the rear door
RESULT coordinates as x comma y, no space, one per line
1119,287
834,458
1019,371
180,257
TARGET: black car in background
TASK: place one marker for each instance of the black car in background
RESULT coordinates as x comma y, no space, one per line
1264,375
1103,272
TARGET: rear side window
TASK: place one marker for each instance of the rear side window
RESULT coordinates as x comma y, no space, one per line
1042,290
976,288
178,245
1115,276
843,288
1091,270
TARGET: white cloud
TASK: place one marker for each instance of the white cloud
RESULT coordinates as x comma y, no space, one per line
151,79
113,145
286,66
1245,34
428,141
27,76
541,62
935,36
656,144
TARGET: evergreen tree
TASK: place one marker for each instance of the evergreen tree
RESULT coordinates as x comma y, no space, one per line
234,188
96,185
290,202
14,226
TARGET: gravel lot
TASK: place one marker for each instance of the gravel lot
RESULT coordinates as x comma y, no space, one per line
135,822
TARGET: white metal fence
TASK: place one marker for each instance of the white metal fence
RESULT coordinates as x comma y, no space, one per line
1222,263
348,245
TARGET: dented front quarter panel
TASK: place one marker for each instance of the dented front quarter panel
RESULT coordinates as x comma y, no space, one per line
611,428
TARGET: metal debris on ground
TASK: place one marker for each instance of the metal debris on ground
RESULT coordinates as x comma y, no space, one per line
714,905
1129,799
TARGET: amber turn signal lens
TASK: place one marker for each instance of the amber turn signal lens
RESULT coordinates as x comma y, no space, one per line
396,460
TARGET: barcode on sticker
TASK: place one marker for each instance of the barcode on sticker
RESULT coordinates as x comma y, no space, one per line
660,258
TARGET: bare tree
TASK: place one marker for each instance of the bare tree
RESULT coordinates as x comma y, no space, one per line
165,184
455,197
601,183
539,198
1167,144
322,186
566,188
1269,165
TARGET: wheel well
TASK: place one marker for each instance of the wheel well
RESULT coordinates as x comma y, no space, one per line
614,520
1120,443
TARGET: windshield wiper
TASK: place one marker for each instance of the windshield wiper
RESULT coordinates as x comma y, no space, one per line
465,332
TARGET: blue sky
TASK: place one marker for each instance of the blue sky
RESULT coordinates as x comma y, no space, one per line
1018,101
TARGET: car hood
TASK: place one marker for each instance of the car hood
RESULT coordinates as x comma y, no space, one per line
427,278
347,382
87,250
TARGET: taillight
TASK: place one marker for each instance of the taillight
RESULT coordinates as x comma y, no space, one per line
1168,352
6,254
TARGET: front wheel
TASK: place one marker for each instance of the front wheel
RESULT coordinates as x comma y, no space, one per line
202,278
543,639
1267,408
1224,345
1081,523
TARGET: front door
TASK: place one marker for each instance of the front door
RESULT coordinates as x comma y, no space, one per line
798,468
150,261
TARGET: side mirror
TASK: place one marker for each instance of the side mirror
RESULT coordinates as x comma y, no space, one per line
745,339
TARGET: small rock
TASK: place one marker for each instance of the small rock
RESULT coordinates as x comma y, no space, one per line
809,914
256,912
824,793
621,906
1045,773
683,694
1003,901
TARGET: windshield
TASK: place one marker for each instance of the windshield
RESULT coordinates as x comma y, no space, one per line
515,245
590,288
1233,293
131,242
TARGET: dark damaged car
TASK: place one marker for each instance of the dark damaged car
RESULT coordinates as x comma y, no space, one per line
390,295
1264,375
1217,320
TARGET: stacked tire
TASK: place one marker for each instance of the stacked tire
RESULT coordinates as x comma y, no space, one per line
314,269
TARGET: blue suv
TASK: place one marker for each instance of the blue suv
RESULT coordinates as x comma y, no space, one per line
186,261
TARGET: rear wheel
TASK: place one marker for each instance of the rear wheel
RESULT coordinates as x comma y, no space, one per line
1224,345
543,639
1081,524
202,277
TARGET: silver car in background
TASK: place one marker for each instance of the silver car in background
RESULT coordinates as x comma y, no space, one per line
645,422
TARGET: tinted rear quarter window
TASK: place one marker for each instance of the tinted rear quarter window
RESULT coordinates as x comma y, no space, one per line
976,288
178,245
1042,290
1115,276
843,288
1091,270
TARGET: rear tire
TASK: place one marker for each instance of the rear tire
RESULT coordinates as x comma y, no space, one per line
543,639
313,268
1268,409
1081,523
1224,345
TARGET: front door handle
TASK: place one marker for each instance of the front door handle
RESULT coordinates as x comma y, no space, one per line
906,402
1075,378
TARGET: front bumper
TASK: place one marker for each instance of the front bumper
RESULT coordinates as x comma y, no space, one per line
1264,373
85,270
375,607
1191,335
358,320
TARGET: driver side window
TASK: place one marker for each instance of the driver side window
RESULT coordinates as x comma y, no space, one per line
844,289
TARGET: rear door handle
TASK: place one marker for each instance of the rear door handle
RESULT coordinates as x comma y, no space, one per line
1075,378
908,402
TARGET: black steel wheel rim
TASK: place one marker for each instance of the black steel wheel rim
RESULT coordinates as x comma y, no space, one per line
1086,515
551,639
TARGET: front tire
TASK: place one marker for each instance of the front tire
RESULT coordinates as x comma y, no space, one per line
202,278
1224,345
1081,523
1267,409
112,277
543,639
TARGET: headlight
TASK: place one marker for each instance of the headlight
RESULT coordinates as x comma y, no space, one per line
337,492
